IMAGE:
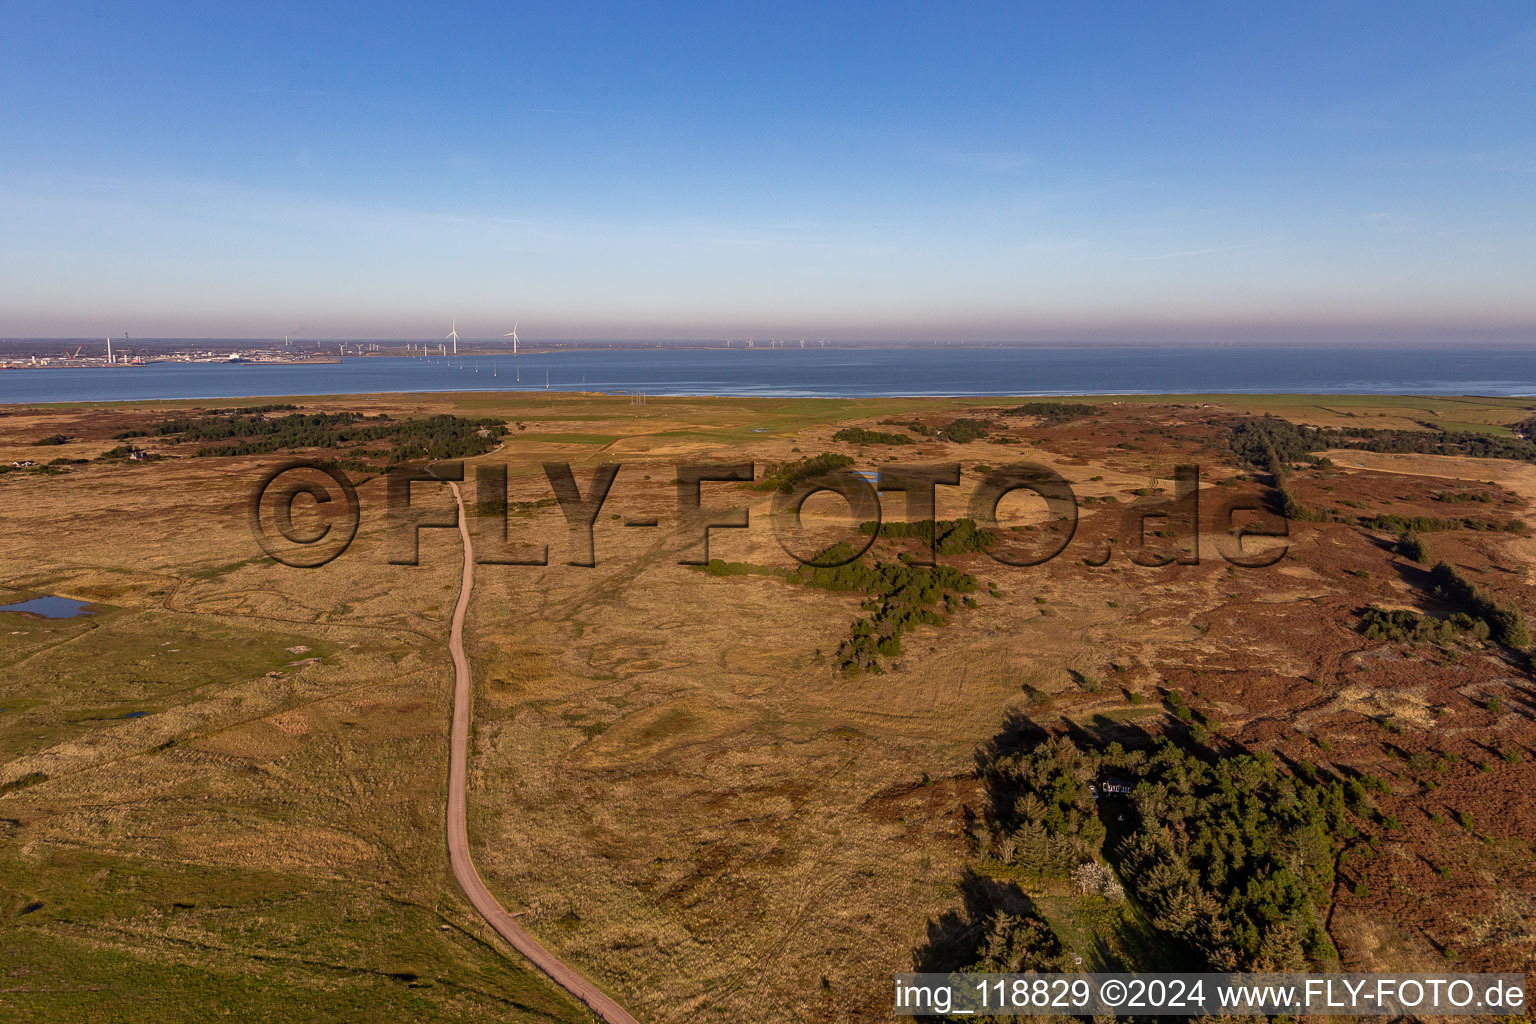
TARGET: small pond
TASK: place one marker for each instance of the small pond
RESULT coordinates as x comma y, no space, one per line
49,607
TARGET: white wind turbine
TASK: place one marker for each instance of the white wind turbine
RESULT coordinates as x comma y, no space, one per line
513,336
453,332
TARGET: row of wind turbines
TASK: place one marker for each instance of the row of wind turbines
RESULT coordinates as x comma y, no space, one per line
453,335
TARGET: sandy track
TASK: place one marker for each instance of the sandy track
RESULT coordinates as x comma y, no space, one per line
458,831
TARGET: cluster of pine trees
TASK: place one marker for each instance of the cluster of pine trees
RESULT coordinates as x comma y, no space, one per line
901,598
183,424
251,431
859,435
945,536
1392,523
1053,414
1402,626
1504,621
1272,444
962,430
1435,442
1231,856
786,476
1411,545
1295,443
1265,440
1016,944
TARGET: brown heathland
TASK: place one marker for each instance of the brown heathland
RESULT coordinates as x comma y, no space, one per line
669,779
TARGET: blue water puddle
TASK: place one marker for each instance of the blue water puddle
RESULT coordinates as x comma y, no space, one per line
136,714
49,607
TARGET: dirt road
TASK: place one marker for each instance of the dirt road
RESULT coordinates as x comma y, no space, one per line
458,832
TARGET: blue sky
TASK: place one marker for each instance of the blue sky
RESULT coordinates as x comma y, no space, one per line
881,170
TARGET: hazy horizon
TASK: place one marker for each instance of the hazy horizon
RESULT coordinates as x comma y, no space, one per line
1240,335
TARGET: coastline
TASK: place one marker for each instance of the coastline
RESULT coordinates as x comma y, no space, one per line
980,374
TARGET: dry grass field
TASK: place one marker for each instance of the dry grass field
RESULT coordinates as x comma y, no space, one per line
223,788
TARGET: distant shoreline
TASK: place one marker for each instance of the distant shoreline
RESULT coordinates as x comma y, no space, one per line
181,362
1251,400
840,373
1418,341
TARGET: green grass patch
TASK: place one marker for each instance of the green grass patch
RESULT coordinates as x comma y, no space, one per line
98,937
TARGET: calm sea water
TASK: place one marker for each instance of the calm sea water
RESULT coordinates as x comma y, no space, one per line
843,372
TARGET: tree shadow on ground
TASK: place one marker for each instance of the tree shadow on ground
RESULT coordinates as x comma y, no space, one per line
955,937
